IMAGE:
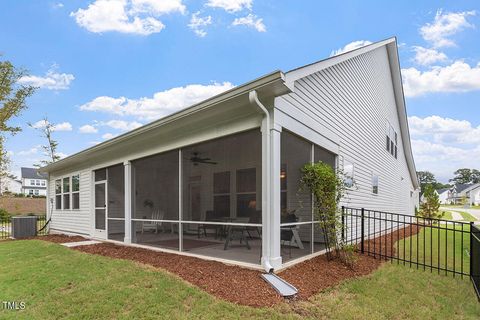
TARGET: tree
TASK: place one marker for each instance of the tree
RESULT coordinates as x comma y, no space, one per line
13,95
46,129
425,177
475,176
429,208
462,176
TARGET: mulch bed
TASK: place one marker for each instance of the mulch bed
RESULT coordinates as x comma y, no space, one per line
245,286
384,246
60,238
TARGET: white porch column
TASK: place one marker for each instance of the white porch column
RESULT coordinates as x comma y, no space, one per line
275,194
128,201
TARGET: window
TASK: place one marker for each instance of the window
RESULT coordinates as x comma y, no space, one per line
221,193
348,171
43,182
58,194
66,193
246,191
32,182
375,184
37,192
392,138
76,192
37,182
30,192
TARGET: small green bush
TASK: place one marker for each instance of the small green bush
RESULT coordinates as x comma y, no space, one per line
4,215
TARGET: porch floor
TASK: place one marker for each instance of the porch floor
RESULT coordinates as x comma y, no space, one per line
212,246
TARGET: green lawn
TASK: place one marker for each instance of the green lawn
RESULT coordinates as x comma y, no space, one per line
438,247
57,282
467,216
447,215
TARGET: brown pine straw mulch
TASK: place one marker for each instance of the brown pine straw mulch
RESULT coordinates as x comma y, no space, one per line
245,286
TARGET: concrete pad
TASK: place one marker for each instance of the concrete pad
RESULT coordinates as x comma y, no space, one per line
80,243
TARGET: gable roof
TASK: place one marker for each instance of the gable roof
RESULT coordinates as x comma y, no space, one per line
466,187
32,173
392,51
272,85
440,191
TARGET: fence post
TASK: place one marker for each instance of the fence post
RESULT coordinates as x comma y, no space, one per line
362,228
471,251
343,225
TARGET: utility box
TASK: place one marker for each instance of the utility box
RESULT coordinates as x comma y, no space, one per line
24,227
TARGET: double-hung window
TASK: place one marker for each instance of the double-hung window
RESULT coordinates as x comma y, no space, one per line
58,194
76,192
392,138
66,193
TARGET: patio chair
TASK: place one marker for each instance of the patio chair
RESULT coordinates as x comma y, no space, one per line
209,216
237,232
157,214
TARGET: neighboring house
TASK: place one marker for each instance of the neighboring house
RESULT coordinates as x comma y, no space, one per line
10,185
220,179
468,193
34,183
443,195
422,197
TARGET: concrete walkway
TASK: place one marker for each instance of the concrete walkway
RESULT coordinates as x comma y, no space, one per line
474,212
456,216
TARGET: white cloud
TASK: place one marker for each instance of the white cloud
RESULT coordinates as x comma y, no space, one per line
52,80
58,5
444,130
29,152
351,46
62,155
442,145
108,136
126,16
198,24
88,129
64,126
157,7
445,25
230,5
121,124
443,160
457,77
251,21
425,56
162,103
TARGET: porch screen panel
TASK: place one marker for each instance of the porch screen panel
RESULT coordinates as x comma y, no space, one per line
321,154
296,204
116,202
155,200
222,182
222,179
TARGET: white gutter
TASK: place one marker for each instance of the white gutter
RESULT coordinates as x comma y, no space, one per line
266,155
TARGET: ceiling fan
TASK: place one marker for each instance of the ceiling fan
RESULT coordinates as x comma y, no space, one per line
197,160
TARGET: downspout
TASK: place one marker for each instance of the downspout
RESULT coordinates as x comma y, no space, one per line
253,98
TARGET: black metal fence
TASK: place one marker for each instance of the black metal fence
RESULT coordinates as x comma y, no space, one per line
436,245
6,226
475,258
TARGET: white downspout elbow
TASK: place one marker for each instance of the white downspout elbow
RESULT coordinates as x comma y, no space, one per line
253,98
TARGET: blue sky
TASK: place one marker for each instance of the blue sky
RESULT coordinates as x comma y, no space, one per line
108,66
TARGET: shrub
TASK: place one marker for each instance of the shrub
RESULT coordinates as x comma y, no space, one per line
4,215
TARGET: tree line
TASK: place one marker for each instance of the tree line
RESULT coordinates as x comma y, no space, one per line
461,176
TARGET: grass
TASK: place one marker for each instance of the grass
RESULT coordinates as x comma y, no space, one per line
465,216
447,215
397,292
57,282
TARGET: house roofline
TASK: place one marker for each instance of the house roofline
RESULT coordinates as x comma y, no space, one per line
261,85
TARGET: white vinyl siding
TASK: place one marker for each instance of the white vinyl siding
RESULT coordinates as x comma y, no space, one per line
78,220
351,101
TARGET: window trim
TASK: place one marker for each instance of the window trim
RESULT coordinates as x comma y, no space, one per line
374,175
69,193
